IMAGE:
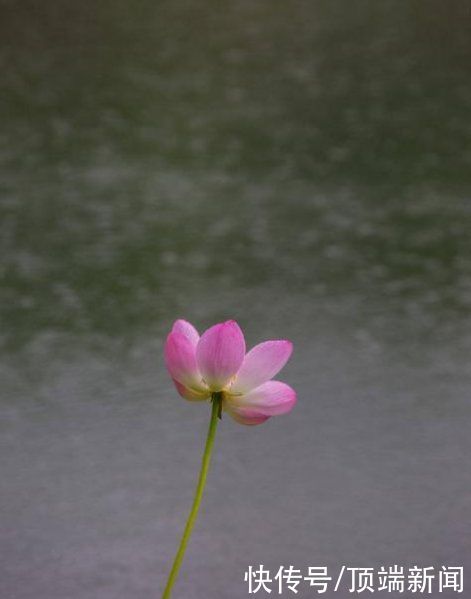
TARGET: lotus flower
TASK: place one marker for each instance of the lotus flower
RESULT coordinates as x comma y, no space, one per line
215,366
216,362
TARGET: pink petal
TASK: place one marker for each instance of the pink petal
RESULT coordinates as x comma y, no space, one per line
181,363
189,394
187,329
261,364
219,353
247,417
270,399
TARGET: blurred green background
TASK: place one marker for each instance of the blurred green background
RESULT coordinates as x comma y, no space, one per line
303,167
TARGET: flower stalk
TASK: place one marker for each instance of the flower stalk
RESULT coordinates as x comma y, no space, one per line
216,399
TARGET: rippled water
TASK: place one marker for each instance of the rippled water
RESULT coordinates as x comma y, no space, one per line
304,169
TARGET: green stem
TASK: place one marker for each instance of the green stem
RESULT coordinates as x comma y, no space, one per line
215,413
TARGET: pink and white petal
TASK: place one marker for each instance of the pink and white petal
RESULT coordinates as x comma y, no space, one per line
189,394
220,353
180,360
187,329
270,399
261,364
